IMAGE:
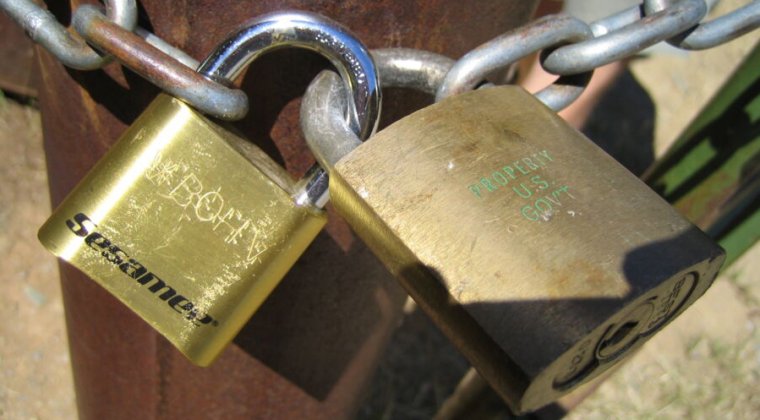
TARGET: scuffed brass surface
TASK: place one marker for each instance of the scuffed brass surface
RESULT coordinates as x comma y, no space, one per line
542,258
178,223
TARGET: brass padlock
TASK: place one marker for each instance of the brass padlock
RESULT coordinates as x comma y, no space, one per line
538,255
188,224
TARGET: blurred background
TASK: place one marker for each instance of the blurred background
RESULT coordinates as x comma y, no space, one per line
706,364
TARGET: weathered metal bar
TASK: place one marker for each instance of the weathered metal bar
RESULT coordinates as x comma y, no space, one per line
711,172
17,66
161,69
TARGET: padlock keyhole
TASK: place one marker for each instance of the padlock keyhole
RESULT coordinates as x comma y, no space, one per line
621,334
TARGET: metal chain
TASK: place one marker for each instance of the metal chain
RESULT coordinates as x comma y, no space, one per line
653,27
506,49
70,49
585,47
160,68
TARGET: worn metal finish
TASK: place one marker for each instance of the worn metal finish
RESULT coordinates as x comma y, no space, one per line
209,97
639,27
322,121
412,69
507,49
219,212
43,28
322,109
625,41
539,256
311,348
167,48
631,23
321,35
187,224
155,60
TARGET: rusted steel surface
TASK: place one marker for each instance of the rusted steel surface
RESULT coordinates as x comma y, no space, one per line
17,68
161,69
310,350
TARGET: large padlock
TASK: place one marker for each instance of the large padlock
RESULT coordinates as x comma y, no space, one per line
188,224
541,258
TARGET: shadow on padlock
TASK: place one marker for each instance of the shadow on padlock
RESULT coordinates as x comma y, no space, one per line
334,312
533,351
301,332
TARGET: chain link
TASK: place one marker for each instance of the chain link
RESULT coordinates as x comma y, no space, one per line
627,40
613,38
323,106
721,30
70,49
158,67
506,49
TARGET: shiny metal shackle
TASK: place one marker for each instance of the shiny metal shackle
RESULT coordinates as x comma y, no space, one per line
312,32
43,28
506,49
322,123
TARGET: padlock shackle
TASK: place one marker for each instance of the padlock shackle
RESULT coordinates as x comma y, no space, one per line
322,122
313,32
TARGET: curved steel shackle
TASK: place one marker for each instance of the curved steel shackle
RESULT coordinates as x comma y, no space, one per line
317,33
73,52
313,32
326,132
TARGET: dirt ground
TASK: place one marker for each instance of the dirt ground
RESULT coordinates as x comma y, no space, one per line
704,365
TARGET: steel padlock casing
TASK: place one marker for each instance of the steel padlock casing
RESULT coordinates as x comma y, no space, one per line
541,258
187,224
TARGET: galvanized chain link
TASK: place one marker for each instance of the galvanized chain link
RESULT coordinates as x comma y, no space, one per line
659,25
577,48
721,30
506,49
70,49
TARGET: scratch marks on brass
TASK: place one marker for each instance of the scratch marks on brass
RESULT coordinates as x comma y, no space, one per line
184,188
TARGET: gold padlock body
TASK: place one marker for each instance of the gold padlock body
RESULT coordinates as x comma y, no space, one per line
189,225
541,257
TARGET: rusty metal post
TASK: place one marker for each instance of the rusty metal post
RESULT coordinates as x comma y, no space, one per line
311,349
16,59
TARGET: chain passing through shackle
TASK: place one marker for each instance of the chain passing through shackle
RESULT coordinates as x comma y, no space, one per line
323,105
540,257
330,139
192,226
312,32
615,37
